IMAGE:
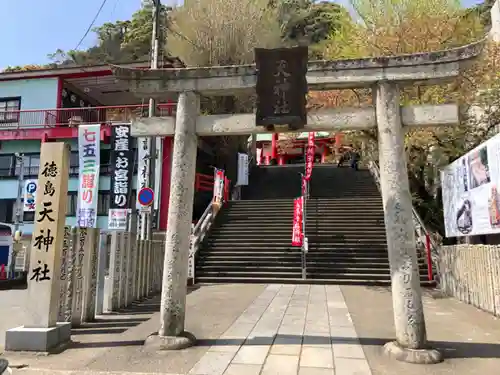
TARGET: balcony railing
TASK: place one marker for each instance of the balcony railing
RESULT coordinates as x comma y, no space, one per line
72,117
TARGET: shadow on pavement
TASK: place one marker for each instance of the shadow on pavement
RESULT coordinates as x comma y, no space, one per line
449,349
116,323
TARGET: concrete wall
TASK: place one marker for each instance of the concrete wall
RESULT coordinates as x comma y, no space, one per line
471,273
34,93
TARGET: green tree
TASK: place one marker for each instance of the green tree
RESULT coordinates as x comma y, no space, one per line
118,42
223,32
393,27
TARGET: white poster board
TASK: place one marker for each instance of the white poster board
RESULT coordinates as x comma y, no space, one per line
242,169
471,201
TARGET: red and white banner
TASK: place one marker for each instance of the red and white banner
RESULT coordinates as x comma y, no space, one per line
218,185
297,235
310,151
304,186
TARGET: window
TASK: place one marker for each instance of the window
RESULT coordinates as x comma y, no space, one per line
103,203
8,212
73,163
31,165
6,165
9,109
72,204
105,159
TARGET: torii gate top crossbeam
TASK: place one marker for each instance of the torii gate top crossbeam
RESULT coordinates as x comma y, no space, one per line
322,75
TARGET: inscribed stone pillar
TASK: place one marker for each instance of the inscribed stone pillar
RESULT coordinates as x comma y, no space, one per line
89,272
145,274
102,254
128,268
78,279
124,270
405,281
114,273
48,235
180,213
43,333
140,268
133,267
65,260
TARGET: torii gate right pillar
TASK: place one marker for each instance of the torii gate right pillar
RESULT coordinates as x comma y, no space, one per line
411,337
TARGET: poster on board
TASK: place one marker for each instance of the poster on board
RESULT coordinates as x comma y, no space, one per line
471,200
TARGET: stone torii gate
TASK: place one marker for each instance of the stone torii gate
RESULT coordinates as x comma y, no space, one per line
385,76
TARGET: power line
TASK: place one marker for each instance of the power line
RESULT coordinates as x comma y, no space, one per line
91,25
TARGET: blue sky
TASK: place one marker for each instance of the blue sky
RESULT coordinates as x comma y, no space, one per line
35,28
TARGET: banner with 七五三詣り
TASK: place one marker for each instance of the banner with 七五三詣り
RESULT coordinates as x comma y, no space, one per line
89,147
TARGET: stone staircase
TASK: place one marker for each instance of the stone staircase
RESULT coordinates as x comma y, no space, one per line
250,240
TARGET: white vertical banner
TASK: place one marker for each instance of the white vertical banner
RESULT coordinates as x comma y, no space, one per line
158,171
29,195
143,152
242,169
89,147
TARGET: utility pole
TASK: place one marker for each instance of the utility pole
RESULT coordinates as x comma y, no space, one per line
18,219
151,113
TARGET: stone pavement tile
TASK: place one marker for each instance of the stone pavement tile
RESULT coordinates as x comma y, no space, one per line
348,351
287,345
251,354
341,320
316,357
212,363
316,371
239,330
280,365
351,366
342,334
468,337
237,369
316,339
227,344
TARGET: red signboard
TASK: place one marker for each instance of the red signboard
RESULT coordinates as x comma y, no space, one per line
304,187
311,148
297,235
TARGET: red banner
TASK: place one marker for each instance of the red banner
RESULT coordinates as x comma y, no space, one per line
304,187
297,234
311,148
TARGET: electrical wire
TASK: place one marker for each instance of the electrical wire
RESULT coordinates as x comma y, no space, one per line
91,25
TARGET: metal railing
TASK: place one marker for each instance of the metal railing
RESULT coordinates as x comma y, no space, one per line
426,247
198,234
72,117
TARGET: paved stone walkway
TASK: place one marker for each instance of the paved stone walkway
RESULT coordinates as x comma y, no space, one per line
273,329
288,330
